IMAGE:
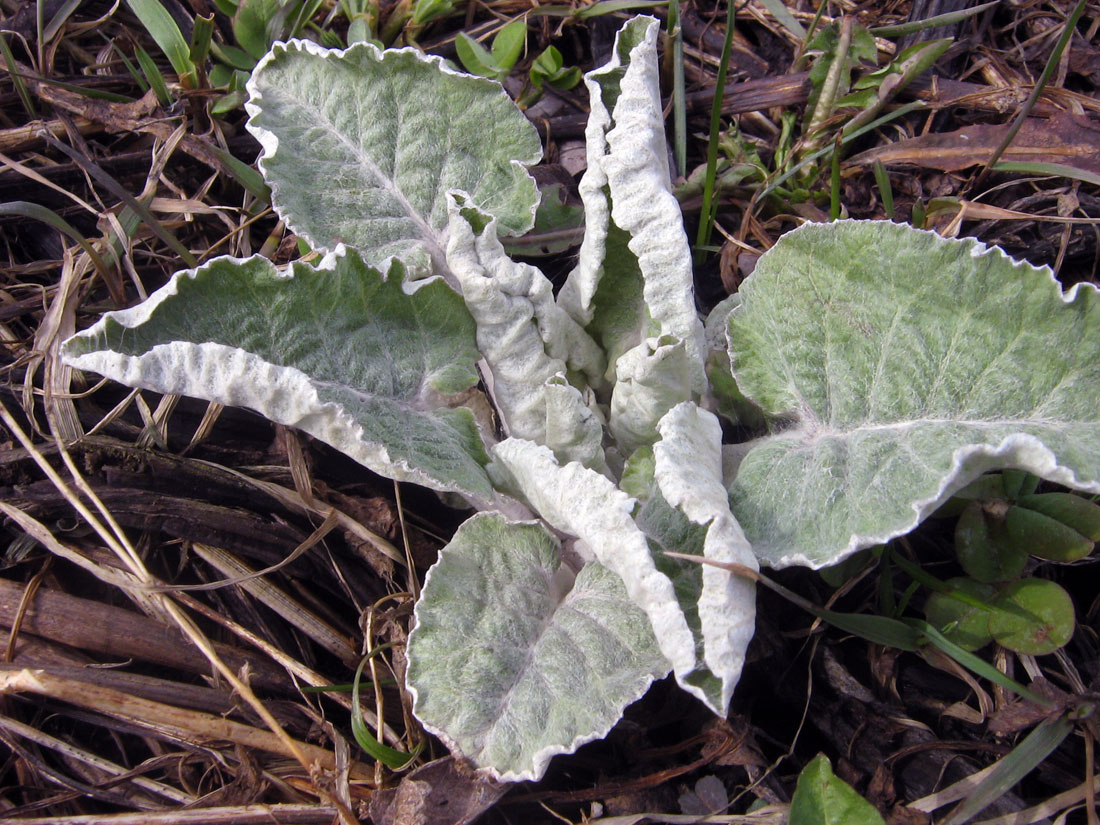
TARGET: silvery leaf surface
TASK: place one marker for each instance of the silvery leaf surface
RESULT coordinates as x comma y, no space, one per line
908,365
361,147
586,505
650,380
367,361
527,340
688,477
633,280
512,660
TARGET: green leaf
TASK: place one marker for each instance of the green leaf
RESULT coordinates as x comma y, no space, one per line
362,359
1033,616
905,366
361,147
822,798
163,29
476,58
985,549
1057,526
508,44
252,25
512,660
546,65
962,622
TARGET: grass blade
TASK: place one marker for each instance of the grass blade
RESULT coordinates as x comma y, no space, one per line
390,757
778,9
16,78
163,29
38,212
1052,64
947,19
679,105
885,190
975,664
707,213
153,76
1043,168
1019,762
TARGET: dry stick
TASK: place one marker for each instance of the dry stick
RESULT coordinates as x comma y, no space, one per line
293,666
117,541
1029,104
256,814
98,762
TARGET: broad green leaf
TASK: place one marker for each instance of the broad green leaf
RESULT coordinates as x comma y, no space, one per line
509,42
964,623
512,660
525,337
252,25
822,798
633,280
361,147
1033,616
476,58
906,365
364,360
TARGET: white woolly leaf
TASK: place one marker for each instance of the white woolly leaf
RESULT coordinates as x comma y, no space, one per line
688,475
526,339
512,660
908,365
634,277
364,360
585,504
361,147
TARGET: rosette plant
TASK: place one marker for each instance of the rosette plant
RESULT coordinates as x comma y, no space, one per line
583,427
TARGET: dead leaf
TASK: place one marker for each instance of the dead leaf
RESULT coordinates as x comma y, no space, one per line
443,792
1065,138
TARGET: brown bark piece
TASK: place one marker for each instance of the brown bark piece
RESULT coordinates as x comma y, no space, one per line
120,634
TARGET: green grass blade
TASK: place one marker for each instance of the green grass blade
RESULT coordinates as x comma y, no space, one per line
59,20
709,208
153,76
834,186
93,94
38,212
947,19
390,757
1020,761
877,629
975,664
120,192
1042,168
246,175
163,29
679,104
612,6
778,10
16,78
885,190
1025,110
